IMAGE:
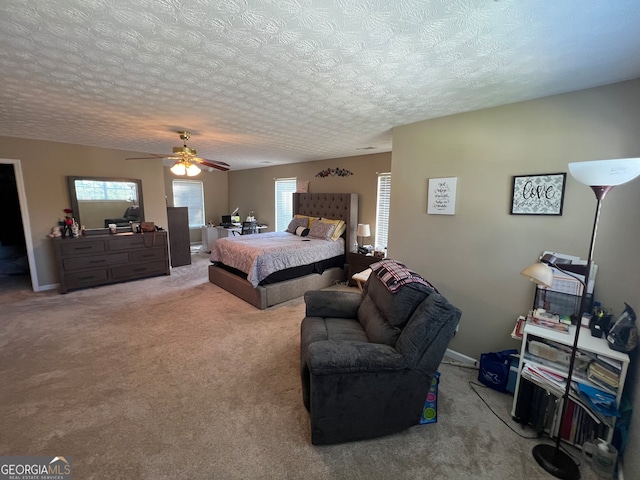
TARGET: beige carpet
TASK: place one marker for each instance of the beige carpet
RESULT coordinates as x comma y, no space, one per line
174,378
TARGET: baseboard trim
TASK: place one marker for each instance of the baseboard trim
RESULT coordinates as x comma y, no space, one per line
44,288
459,357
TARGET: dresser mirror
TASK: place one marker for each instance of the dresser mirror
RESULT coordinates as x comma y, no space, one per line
99,201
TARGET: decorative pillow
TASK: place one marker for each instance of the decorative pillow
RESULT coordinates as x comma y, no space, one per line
310,219
340,227
321,230
302,231
297,222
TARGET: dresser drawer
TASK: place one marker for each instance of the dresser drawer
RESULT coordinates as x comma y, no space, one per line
95,261
136,240
72,246
138,270
146,255
90,277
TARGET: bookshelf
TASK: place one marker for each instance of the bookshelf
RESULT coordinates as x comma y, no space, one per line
539,385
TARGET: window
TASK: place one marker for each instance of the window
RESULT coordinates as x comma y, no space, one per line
285,187
105,190
190,193
382,209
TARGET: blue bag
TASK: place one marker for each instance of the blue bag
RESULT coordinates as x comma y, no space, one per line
494,369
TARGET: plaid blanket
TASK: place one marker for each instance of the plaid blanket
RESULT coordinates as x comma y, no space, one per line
394,275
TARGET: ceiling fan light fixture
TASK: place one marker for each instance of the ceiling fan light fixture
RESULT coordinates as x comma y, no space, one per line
179,169
192,170
185,151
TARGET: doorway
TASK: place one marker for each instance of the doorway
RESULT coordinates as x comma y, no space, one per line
17,268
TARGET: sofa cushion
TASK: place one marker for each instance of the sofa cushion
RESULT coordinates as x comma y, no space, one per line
375,325
396,308
421,341
316,329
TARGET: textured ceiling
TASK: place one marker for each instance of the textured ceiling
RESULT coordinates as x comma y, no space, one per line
285,81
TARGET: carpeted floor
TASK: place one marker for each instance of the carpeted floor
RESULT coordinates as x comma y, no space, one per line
174,378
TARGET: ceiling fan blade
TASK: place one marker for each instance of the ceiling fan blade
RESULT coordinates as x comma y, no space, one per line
152,156
209,163
200,159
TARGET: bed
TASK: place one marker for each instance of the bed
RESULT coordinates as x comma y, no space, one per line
263,287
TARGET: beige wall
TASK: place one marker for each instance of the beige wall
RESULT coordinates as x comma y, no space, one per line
45,166
475,257
253,190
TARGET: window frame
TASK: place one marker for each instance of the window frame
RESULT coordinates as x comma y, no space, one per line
383,204
193,211
283,213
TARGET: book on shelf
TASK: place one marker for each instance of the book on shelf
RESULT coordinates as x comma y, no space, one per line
541,408
550,324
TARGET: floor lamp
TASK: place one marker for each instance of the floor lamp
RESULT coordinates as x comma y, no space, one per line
601,176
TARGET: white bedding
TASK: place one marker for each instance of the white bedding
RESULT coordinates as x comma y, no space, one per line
260,255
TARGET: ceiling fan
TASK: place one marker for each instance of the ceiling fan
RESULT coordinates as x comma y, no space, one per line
186,159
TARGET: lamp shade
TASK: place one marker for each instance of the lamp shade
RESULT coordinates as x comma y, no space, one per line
364,230
539,274
192,170
605,172
178,169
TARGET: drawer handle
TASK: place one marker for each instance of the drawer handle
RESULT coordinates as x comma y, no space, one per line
97,261
84,248
140,269
87,278
150,255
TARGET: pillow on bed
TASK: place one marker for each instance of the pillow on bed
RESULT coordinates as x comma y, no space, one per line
321,230
297,222
302,231
310,219
339,230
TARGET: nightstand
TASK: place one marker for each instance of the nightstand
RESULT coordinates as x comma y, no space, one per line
357,263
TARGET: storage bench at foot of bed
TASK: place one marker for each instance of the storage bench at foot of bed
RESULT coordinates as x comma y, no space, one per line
272,294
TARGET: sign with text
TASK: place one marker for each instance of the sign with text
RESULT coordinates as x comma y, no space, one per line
538,194
442,196
35,468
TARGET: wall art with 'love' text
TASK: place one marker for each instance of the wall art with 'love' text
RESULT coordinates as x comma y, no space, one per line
538,194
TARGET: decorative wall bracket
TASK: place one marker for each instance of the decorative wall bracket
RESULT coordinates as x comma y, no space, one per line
334,172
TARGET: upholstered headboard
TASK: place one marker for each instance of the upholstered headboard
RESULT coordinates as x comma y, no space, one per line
338,206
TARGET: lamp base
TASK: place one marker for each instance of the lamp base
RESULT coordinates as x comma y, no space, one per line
556,462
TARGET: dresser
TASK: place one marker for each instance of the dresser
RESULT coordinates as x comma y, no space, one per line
102,259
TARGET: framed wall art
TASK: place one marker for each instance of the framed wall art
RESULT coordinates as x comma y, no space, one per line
538,194
441,199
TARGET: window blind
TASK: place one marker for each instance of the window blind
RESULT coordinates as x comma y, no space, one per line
190,193
382,209
285,187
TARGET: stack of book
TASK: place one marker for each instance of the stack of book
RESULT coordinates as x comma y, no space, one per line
605,372
542,318
540,405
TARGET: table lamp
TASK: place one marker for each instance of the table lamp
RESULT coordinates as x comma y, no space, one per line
363,231
601,176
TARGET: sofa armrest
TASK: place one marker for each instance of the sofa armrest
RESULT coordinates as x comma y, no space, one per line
334,357
332,303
